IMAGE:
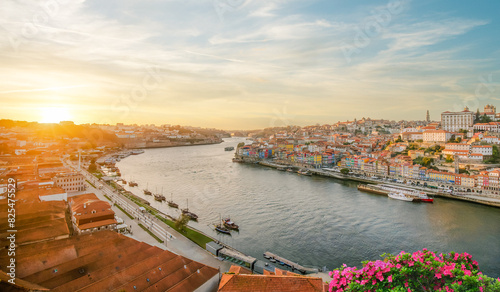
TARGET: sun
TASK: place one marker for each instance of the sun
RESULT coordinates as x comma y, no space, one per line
54,114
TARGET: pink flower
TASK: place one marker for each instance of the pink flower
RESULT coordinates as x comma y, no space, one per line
438,275
389,278
467,272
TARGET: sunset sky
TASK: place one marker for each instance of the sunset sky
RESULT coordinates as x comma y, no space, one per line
236,64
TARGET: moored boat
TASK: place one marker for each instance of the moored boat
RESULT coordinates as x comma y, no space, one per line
230,224
171,203
132,184
400,196
221,228
424,198
304,172
186,212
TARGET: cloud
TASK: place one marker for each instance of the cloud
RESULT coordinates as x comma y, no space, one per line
260,55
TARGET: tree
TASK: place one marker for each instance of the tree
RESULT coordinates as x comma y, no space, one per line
181,223
92,166
399,139
484,119
449,158
477,117
345,171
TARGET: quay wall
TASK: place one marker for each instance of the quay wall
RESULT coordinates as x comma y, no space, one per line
370,181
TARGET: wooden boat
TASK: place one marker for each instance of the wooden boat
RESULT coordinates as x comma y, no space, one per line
132,184
221,228
304,172
171,203
230,224
158,197
191,215
147,192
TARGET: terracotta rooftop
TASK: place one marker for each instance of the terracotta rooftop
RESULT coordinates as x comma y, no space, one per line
37,221
107,261
273,282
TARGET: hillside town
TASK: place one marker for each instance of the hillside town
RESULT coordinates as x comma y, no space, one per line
458,152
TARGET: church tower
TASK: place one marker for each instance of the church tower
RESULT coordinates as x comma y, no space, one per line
428,117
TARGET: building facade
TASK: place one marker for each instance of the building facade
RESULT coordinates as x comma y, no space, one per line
70,182
455,121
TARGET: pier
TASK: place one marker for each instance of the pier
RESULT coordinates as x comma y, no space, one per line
291,264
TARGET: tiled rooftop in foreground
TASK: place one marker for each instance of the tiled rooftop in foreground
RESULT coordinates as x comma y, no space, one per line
108,261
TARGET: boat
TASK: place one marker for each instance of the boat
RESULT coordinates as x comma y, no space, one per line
418,196
424,198
290,170
400,196
237,160
158,197
147,192
281,168
272,260
137,151
230,224
230,148
266,256
132,184
171,203
304,172
221,228
186,212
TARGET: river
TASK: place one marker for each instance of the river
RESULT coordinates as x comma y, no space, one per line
314,221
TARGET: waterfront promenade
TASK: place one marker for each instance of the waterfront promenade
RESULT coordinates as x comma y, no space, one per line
172,240
484,199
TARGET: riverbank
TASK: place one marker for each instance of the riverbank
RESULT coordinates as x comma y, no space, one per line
483,200
153,145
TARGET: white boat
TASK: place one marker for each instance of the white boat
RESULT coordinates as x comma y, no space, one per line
400,196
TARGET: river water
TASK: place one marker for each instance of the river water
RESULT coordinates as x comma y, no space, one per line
314,221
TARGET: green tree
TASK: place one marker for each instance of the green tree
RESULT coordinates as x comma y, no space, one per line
345,171
181,223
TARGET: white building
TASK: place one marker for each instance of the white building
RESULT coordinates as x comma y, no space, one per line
436,136
454,121
70,182
482,149
457,146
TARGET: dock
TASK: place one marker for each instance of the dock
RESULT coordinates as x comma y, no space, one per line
291,264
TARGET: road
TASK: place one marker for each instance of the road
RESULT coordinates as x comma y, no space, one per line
173,240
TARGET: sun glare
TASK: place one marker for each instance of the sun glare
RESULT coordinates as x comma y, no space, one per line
54,114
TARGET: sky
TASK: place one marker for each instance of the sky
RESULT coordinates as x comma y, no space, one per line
246,64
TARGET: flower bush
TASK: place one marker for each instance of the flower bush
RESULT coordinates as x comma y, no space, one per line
420,271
